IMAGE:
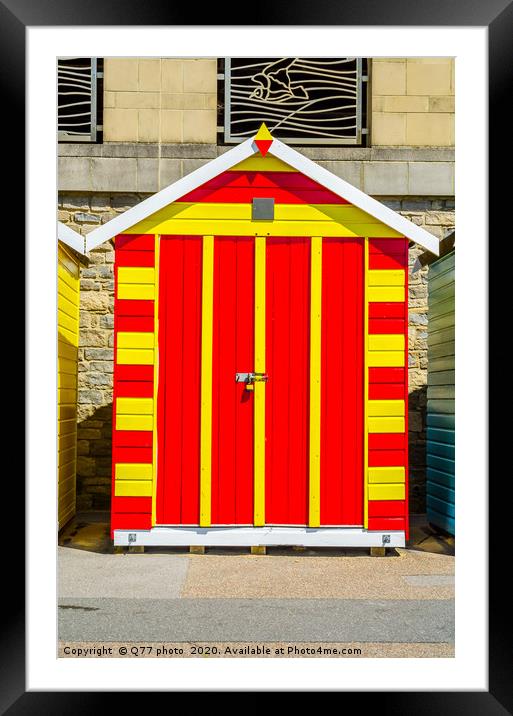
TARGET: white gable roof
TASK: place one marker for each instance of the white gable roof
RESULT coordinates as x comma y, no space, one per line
71,238
243,151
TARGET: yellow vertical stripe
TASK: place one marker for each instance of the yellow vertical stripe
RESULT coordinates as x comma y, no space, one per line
365,384
259,386
207,298
314,513
155,381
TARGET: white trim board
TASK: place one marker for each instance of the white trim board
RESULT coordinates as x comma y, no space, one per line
259,536
236,155
71,238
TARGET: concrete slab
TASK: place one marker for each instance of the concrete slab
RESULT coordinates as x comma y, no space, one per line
130,576
256,620
318,575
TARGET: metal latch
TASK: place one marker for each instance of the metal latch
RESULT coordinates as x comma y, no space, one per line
251,378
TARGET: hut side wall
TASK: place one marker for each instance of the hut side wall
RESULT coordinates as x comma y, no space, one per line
440,394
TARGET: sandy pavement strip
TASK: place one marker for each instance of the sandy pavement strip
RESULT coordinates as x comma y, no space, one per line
276,650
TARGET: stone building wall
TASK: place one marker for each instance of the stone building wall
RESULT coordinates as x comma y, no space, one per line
83,213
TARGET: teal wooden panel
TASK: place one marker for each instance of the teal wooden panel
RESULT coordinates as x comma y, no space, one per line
440,377
438,322
440,392
441,406
442,336
443,363
441,294
435,420
440,266
440,463
440,506
444,279
440,435
440,520
441,351
437,307
440,449
441,478
441,492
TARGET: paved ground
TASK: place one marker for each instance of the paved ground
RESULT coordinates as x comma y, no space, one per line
229,600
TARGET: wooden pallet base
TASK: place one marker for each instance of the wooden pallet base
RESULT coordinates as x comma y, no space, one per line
377,551
258,549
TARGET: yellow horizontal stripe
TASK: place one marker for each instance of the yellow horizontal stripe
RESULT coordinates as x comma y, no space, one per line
385,359
65,380
71,264
340,213
134,422
228,227
135,340
386,408
134,406
64,276
385,342
67,306
66,412
386,425
67,470
65,321
66,396
65,350
71,294
139,291
262,164
385,293
66,427
133,488
132,356
386,277
134,471
66,454
67,366
67,441
131,274
386,492
386,474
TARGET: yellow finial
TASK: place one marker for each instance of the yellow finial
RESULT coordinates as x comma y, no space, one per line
263,133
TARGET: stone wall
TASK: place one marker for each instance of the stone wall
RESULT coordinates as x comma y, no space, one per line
83,213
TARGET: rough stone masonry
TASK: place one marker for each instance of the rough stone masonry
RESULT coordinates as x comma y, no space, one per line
84,213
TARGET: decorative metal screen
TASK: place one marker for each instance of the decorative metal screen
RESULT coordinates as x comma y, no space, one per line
302,100
77,93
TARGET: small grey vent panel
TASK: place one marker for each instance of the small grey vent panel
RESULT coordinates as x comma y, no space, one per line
262,210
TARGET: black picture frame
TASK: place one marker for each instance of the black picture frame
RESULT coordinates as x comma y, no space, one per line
497,15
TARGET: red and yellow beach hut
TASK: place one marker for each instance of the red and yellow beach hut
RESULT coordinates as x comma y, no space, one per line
261,358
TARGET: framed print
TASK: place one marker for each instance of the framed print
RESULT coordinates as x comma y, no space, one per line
136,147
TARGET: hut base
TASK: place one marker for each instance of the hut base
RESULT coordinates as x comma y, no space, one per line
259,536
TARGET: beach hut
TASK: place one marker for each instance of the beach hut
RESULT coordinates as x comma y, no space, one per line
70,254
260,378
440,503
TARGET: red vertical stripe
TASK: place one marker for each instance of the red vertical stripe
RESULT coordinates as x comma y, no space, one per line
179,380
342,382
232,404
287,364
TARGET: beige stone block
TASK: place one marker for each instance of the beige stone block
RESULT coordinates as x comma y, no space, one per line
148,125
194,101
173,101
200,75
119,125
388,78
431,129
149,75
388,129
171,125
441,104
121,74
428,78
172,76
211,101
109,99
199,125
405,103
137,100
